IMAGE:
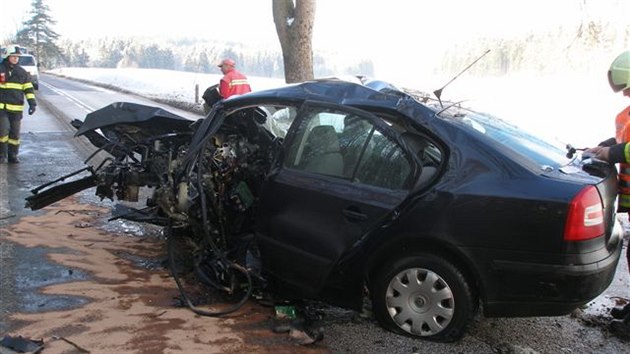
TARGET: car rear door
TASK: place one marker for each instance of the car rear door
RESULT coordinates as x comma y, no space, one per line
341,171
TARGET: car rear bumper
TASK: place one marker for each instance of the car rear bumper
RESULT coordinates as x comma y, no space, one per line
531,289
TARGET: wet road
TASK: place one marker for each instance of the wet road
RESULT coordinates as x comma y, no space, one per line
49,150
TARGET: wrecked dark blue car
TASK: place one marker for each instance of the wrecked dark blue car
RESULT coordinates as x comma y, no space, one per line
341,192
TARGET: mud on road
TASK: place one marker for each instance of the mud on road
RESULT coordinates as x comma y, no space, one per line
67,275
129,302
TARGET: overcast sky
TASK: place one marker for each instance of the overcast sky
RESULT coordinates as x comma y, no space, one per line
391,33
338,22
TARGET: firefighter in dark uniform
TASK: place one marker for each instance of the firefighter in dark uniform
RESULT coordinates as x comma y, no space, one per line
15,84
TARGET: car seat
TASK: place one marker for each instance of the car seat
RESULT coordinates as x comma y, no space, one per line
324,154
417,144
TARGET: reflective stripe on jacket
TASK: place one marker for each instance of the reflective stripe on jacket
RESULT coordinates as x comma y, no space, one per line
233,83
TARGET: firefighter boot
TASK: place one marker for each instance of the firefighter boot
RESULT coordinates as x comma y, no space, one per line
3,153
13,153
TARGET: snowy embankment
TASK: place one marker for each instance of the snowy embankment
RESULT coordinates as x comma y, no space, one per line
162,85
575,109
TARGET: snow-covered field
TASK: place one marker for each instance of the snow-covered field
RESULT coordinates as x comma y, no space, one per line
156,83
575,109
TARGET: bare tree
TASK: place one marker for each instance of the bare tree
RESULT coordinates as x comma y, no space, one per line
294,24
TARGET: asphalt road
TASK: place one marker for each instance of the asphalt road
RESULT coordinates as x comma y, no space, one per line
49,150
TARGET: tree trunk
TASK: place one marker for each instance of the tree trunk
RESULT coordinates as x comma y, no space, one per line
294,25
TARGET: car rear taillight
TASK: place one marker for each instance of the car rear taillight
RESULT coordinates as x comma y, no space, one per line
585,219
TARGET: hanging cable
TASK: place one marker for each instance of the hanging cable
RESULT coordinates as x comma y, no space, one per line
230,265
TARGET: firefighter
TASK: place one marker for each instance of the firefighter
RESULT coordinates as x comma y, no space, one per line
617,150
15,83
232,82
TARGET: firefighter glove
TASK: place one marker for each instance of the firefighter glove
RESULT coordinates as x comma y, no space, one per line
31,110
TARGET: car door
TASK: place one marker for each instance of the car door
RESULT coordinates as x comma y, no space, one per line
340,173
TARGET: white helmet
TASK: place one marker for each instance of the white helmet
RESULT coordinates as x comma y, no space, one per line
619,72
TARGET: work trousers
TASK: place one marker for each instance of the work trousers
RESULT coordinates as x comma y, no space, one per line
10,125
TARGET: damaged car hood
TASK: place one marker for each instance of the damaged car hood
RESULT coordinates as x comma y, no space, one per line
134,114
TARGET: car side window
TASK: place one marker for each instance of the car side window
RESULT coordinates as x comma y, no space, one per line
383,164
344,145
279,120
316,145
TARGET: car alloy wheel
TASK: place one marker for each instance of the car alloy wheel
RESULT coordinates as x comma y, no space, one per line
423,295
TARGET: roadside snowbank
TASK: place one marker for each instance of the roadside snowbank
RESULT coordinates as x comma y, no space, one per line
155,83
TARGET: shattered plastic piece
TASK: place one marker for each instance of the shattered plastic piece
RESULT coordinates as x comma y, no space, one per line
285,311
22,345
306,337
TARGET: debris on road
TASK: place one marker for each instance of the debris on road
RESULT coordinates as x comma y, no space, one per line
22,345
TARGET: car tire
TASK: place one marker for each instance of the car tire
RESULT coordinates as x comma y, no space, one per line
423,295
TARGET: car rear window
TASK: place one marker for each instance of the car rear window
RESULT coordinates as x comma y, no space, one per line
542,151
26,61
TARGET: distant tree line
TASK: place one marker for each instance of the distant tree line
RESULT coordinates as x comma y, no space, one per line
193,56
560,50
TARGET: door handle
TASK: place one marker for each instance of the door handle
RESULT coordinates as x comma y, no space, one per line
354,214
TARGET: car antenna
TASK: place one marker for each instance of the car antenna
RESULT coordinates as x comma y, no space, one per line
438,92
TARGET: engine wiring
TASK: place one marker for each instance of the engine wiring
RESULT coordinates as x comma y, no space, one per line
221,263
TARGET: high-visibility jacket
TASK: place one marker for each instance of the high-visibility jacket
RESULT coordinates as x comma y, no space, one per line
622,124
233,83
15,84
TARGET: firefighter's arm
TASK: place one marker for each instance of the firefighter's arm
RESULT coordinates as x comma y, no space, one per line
608,142
29,92
610,151
618,153
224,88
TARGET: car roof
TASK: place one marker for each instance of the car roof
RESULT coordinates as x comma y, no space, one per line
337,91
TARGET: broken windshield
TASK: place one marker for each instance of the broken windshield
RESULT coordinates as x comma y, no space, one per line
542,151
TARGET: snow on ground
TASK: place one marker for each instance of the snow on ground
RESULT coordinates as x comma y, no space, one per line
157,83
579,109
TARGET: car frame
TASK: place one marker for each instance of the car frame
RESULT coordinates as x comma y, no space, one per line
427,210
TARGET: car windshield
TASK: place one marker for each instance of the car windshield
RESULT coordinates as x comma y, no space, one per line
26,61
538,149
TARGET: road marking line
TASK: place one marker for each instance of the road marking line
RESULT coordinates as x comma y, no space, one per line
76,101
